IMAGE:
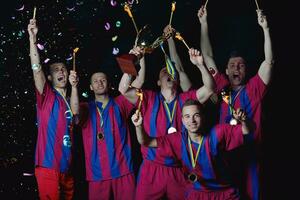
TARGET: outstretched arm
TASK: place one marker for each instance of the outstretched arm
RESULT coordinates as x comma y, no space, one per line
74,101
124,85
204,92
142,137
205,44
38,74
185,82
265,69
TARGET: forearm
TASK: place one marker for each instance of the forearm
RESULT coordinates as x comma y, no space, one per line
185,82
265,70
38,74
268,46
143,138
206,48
207,78
125,83
248,126
140,79
74,101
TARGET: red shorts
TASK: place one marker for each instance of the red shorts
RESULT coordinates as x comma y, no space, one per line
156,181
53,184
118,188
227,194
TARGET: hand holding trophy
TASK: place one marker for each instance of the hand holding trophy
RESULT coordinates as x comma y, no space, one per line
129,63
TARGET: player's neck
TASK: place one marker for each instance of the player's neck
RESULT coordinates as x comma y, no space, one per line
103,98
195,136
168,94
62,91
236,87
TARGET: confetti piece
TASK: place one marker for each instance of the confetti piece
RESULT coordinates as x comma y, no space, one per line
107,26
70,58
118,24
115,51
40,46
130,1
71,9
27,174
85,94
46,60
114,38
21,8
113,2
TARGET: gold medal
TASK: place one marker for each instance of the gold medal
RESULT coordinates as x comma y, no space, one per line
192,177
100,136
171,130
233,122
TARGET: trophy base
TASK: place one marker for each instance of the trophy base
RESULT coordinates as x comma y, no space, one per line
128,64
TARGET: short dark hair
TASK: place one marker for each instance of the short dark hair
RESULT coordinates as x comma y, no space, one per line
193,102
236,53
50,64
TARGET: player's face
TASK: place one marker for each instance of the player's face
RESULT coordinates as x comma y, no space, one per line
99,83
59,75
236,71
192,118
165,79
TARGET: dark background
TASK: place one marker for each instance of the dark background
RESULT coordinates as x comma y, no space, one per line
64,25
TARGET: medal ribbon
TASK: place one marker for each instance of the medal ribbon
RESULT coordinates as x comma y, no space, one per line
170,116
194,160
100,114
231,102
68,105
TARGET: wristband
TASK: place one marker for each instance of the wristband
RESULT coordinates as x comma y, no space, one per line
35,67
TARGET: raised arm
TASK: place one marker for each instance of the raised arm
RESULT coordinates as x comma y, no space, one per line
204,92
74,101
130,93
265,69
142,137
185,82
38,74
205,44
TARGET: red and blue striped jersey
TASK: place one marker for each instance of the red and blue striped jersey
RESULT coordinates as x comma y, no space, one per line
54,141
111,157
156,120
211,170
250,100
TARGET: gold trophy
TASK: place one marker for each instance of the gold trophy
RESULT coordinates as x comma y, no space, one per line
145,39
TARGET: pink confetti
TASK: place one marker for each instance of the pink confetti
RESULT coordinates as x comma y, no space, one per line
41,47
46,60
107,26
22,8
113,2
130,1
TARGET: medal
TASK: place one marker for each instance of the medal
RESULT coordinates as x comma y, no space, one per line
171,130
233,122
192,177
170,115
100,136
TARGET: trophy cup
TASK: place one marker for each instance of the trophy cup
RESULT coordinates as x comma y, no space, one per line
129,63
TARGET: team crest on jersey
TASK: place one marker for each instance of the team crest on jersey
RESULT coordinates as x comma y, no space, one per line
67,141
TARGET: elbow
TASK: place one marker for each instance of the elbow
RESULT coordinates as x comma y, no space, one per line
122,90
